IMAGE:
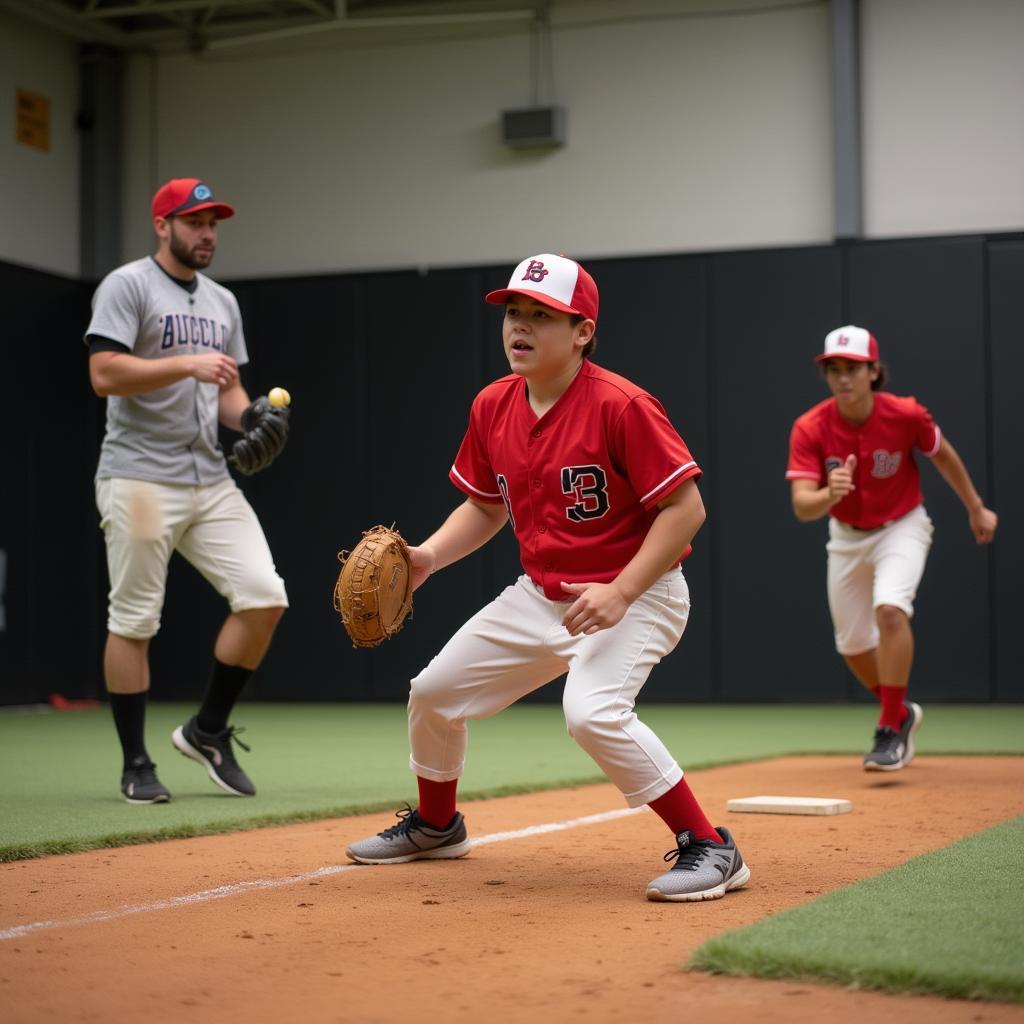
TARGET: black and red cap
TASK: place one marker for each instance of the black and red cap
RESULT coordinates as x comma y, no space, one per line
187,195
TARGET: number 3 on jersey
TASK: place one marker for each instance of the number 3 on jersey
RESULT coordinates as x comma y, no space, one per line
589,486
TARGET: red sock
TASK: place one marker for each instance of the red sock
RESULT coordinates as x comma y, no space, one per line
893,711
679,809
437,802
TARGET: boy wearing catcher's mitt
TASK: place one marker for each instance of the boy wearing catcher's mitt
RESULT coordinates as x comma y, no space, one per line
602,495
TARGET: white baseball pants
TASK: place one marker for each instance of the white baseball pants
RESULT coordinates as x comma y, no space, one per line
213,526
516,644
869,568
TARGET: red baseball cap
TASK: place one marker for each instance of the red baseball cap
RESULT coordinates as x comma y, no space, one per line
850,343
187,195
554,281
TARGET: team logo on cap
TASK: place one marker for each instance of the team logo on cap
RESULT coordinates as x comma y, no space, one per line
535,272
843,340
202,192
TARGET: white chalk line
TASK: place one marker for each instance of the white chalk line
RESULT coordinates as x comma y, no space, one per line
556,826
237,888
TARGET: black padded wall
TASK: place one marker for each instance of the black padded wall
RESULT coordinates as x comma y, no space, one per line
725,341
769,318
48,522
1006,427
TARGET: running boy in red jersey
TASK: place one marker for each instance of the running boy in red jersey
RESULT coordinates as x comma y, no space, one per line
851,458
602,495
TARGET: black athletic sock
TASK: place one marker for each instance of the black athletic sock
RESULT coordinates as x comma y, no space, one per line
222,693
129,711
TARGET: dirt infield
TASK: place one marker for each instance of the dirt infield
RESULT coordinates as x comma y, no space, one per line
549,926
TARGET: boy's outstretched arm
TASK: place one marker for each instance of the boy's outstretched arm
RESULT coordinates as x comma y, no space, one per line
601,605
812,502
471,525
983,520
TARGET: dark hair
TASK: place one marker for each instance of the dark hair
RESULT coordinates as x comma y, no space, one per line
575,319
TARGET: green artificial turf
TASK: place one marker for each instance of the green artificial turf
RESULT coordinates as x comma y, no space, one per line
948,923
59,771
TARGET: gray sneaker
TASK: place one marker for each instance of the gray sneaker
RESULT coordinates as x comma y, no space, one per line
888,753
703,870
910,725
412,839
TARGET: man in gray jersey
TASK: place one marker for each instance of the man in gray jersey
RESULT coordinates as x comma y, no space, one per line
165,343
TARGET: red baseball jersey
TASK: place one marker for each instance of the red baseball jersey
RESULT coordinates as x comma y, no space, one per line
886,478
582,482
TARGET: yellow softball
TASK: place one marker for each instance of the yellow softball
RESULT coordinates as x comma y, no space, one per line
279,398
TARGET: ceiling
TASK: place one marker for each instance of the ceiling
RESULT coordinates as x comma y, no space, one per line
195,24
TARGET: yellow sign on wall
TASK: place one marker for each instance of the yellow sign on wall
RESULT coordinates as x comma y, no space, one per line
32,120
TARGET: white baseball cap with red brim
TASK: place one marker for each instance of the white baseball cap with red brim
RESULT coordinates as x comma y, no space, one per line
554,281
850,343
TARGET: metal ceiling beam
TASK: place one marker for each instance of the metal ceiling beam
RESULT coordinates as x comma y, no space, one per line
89,22
322,7
204,16
157,7
60,18
382,22
171,39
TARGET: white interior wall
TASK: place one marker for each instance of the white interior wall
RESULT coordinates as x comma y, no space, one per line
684,134
38,189
943,116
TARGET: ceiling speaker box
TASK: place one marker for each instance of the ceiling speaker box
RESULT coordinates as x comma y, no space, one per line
533,126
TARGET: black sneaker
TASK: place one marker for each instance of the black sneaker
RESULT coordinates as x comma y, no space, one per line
139,784
910,725
889,752
213,751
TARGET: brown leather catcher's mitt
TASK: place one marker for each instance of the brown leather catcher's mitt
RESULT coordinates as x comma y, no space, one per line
374,590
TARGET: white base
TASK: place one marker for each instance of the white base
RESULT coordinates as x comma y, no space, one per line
790,805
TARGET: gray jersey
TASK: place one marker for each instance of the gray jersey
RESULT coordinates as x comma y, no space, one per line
169,434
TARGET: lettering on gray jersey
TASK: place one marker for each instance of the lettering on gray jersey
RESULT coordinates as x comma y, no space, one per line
169,434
